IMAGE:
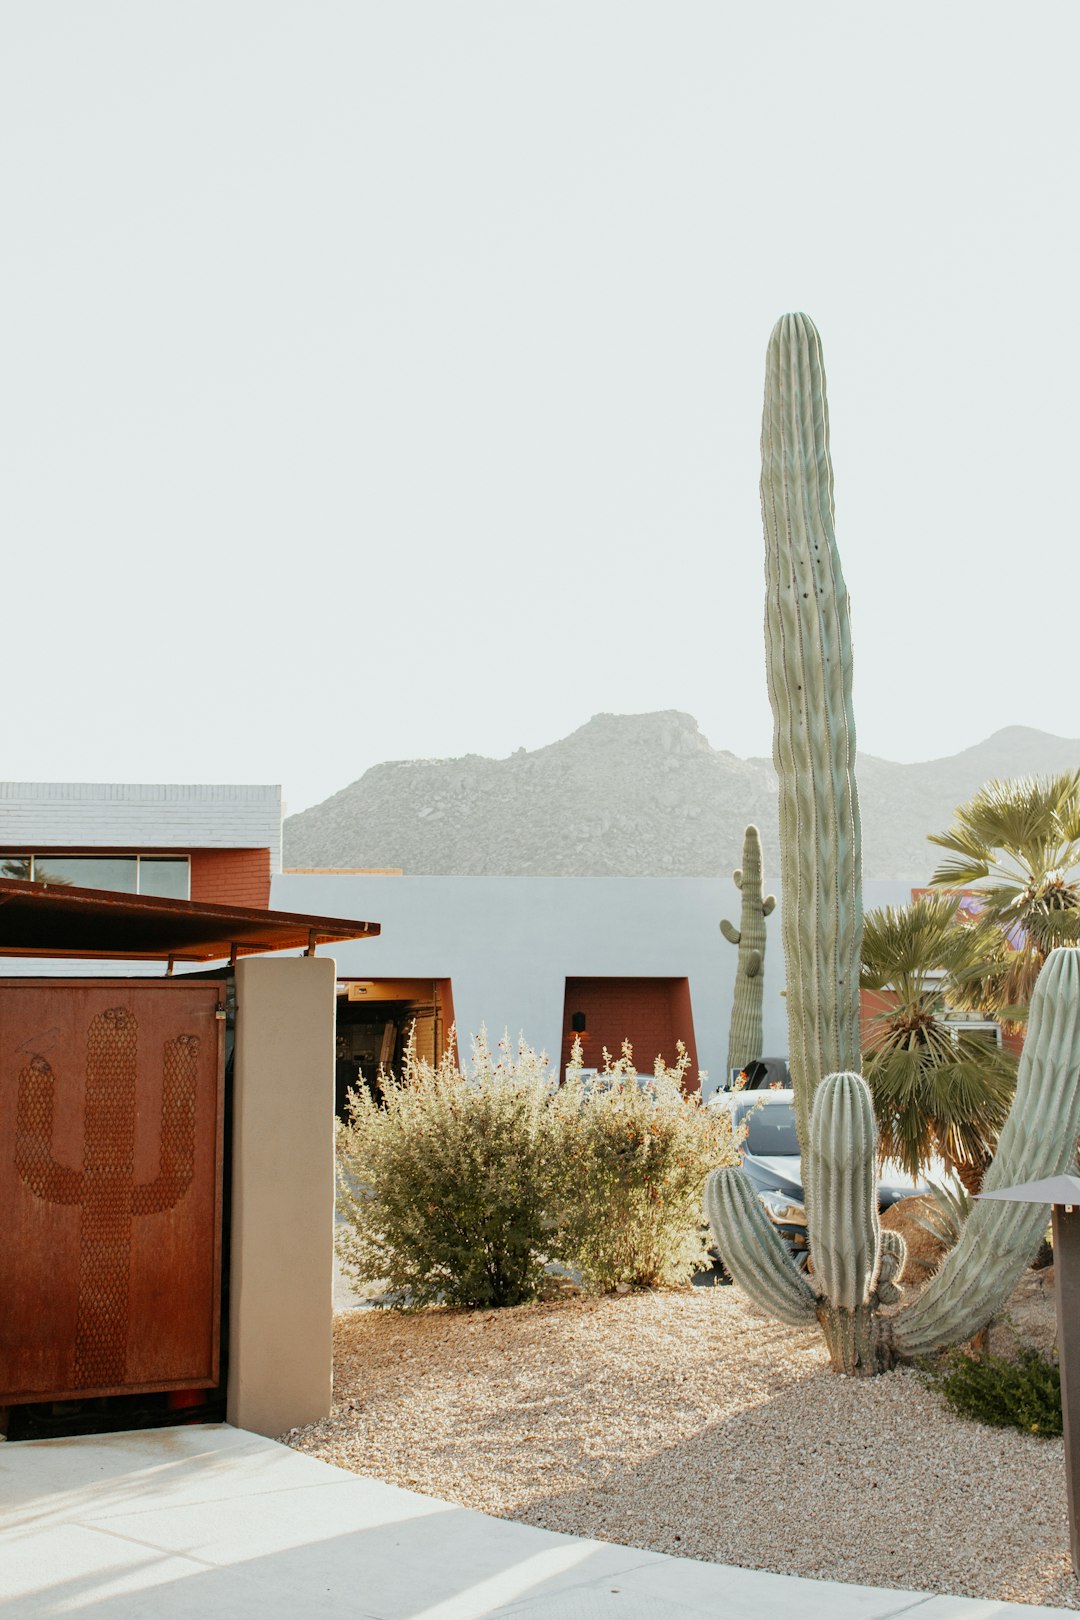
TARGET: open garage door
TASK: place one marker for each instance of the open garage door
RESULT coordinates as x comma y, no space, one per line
374,1020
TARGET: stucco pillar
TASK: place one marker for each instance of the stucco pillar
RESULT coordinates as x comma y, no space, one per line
281,1266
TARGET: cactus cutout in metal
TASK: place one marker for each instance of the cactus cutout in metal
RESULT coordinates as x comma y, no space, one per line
856,1265
105,1189
745,1038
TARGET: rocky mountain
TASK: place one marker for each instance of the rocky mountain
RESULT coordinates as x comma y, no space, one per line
638,795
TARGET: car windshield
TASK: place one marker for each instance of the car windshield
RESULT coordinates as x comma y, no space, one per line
772,1130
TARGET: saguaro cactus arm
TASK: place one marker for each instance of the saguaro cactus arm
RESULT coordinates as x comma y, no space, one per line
808,659
752,1249
1038,1139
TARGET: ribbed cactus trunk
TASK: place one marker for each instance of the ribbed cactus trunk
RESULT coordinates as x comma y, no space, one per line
844,1230
745,1038
808,660
856,1265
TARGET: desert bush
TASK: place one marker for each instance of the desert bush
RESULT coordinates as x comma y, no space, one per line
1025,1394
630,1174
444,1185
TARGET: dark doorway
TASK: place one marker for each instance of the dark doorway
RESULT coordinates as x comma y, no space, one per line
374,1020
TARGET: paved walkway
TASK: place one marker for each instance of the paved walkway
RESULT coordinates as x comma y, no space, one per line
215,1523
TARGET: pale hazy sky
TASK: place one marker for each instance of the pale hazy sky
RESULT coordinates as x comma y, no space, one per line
384,379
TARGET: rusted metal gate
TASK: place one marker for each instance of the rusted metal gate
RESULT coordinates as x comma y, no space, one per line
111,1099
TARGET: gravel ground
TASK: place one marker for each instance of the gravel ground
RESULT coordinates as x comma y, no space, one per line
686,1423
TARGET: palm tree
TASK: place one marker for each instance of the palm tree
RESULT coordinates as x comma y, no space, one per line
937,1090
1017,845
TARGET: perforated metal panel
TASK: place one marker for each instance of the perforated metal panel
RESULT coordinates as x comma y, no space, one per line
110,1187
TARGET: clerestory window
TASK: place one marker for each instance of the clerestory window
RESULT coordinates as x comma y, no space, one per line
166,876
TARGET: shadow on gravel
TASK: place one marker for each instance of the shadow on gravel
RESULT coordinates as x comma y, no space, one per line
844,1480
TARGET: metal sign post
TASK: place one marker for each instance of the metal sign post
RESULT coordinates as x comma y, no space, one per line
1062,1193
1067,1290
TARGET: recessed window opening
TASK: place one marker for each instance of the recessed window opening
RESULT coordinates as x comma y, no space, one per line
167,877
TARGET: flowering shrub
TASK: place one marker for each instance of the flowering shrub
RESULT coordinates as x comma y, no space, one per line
630,1174
445,1186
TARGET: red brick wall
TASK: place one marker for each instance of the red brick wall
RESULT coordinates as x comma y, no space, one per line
652,1014
231,877
1013,1041
872,1002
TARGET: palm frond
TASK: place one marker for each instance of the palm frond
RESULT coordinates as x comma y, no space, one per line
936,1090
906,942
1012,833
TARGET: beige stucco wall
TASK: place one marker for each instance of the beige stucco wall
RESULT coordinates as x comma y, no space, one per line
281,1278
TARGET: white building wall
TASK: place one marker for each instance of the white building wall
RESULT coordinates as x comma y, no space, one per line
111,815
509,944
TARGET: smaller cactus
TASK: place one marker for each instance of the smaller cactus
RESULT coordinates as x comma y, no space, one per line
845,1233
745,1036
892,1258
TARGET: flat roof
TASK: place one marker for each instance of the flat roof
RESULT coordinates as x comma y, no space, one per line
52,919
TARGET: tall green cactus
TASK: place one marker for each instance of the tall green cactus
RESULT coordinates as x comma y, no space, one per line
856,1265
745,1033
808,663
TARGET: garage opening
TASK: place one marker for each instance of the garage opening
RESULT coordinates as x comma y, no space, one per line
652,1014
374,1018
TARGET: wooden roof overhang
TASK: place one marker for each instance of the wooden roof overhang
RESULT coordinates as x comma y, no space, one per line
50,919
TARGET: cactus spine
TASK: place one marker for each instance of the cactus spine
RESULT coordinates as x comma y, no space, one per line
856,1265
808,660
745,1034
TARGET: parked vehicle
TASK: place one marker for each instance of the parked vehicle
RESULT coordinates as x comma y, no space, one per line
770,1157
762,1074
